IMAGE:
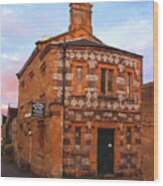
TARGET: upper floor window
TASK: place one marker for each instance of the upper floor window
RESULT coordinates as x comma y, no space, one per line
110,81
79,79
103,81
79,71
107,78
129,85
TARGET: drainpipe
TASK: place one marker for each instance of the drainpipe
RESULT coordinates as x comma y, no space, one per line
64,79
64,72
63,93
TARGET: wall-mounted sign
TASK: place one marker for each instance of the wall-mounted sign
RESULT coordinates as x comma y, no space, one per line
38,109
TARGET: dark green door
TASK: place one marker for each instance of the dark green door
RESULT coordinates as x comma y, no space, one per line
105,151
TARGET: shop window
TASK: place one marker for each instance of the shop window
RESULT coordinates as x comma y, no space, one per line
78,138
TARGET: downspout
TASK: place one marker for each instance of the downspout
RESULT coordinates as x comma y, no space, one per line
63,93
64,73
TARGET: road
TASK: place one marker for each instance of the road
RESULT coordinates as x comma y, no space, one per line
9,169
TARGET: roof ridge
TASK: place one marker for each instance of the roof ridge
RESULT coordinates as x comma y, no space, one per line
75,39
65,33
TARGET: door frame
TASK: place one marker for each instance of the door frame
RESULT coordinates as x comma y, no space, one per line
113,130
93,155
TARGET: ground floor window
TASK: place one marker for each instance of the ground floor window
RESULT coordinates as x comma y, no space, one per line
129,137
78,138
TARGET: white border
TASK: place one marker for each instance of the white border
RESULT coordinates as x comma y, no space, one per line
69,182
63,1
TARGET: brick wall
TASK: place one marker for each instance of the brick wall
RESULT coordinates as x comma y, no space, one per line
147,115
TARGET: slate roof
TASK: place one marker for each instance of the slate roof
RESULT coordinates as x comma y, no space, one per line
81,42
84,42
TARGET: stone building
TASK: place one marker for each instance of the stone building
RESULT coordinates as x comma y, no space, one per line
3,127
7,125
14,132
9,130
147,117
89,95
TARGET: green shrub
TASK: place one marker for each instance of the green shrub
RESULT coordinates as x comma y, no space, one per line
8,148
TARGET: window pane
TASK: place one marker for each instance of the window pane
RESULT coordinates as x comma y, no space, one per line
110,81
78,138
79,74
79,79
128,85
103,80
128,137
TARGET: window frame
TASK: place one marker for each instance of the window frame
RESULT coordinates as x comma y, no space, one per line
129,139
110,92
78,139
129,136
129,85
76,65
103,89
114,85
131,72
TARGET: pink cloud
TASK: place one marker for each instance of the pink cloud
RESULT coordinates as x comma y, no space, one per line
9,90
9,82
4,109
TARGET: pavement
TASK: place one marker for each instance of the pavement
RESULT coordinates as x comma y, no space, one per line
10,169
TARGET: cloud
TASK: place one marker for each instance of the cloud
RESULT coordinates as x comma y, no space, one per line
29,20
9,89
133,36
13,23
9,82
4,109
129,35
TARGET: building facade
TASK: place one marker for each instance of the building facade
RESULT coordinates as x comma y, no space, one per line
3,129
147,117
9,134
7,125
91,94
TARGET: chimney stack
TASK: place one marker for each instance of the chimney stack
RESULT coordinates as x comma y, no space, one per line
80,16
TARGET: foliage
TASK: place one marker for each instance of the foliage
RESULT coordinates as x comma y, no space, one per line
8,148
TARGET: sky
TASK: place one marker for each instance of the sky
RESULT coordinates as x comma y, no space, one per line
125,25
